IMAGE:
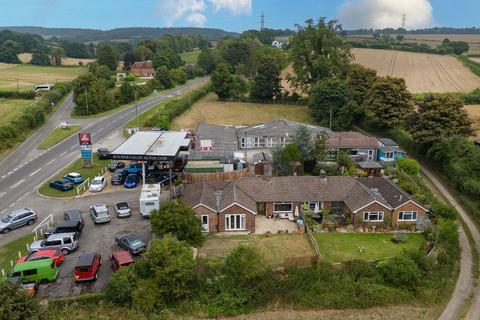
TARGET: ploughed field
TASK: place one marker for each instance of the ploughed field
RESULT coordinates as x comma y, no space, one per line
422,72
474,114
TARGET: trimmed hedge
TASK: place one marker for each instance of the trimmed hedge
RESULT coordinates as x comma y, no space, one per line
28,95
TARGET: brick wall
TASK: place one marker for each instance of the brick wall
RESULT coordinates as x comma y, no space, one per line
212,217
409,206
235,209
357,218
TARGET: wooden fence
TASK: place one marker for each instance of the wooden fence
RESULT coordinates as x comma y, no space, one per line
231,175
312,240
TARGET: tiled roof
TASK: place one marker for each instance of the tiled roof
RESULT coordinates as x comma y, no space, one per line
279,128
388,142
392,193
142,64
351,139
224,137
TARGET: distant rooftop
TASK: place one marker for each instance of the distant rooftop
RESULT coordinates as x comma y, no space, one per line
152,145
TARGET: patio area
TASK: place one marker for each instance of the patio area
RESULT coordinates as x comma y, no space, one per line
274,226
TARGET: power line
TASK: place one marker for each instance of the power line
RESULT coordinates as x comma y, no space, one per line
404,17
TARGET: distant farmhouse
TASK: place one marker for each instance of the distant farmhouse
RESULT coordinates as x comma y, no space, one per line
143,69
280,43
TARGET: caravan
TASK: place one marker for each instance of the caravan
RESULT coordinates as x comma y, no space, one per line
149,199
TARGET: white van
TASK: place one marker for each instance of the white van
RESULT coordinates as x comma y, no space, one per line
43,87
149,199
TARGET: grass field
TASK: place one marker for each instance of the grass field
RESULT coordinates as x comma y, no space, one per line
10,251
274,248
210,110
10,109
422,72
338,247
28,75
57,135
26,57
98,165
190,57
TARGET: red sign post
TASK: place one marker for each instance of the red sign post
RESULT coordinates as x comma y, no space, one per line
85,139
86,149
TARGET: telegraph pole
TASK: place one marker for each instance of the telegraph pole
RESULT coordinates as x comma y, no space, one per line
136,107
404,18
86,100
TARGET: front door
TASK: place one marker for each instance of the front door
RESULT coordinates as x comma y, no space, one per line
370,155
205,224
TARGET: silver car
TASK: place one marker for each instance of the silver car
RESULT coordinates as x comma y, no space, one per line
99,213
122,209
17,219
66,242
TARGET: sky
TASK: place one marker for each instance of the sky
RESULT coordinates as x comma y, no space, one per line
237,15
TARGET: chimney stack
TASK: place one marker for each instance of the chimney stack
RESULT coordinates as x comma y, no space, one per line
323,175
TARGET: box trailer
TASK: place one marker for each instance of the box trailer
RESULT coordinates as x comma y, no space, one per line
149,199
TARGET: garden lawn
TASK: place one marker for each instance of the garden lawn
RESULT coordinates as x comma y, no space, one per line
11,109
274,248
10,251
29,75
339,247
210,110
190,57
98,165
58,135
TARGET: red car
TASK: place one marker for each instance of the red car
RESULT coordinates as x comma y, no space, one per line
56,254
119,259
87,267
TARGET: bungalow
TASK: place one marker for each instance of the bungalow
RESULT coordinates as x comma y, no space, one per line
389,151
359,147
228,206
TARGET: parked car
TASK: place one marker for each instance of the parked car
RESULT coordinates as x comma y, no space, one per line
66,242
55,254
87,267
73,177
166,180
99,213
134,167
116,165
103,153
131,181
155,177
130,242
118,177
73,215
120,258
122,209
62,185
65,227
17,219
41,271
98,184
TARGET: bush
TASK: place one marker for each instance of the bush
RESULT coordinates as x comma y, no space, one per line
400,271
238,265
30,94
443,210
409,166
16,305
120,287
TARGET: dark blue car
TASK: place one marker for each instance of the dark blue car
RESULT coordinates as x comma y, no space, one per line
62,185
131,181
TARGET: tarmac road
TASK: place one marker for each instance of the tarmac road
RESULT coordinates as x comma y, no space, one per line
25,169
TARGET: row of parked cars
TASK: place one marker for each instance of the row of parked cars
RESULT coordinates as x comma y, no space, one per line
45,256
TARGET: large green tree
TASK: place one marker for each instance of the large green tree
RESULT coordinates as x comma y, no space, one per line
163,76
178,76
266,84
303,143
388,101
438,117
126,93
206,60
107,56
333,100
222,81
168,58
143,53
178,219
360,79
40,58
16,305
318,52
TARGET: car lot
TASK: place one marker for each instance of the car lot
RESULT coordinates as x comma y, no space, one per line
99,238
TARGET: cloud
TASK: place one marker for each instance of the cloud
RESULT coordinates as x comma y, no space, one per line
378,14
173,10
197,19
234,6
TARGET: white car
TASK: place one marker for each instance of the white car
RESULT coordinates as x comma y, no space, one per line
98,184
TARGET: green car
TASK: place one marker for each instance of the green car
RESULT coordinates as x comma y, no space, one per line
44,270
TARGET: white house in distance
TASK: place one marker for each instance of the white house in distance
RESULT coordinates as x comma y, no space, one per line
280,43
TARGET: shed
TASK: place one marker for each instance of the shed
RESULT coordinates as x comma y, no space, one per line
372,168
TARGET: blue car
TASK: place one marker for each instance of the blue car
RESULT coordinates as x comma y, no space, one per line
74,177
131,181
133,167
62,185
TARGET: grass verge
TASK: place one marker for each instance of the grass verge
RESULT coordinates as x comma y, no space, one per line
98,165
338,247
10,251
58,135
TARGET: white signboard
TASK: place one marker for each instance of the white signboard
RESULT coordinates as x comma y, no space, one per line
206,145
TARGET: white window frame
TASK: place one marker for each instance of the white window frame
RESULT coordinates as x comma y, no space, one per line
370,154
377,213
239,222
283,141
412,213
283,211
389,155
269,142
208,222
256,142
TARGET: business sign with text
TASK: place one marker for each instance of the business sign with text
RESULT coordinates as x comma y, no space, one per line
85,139
86,149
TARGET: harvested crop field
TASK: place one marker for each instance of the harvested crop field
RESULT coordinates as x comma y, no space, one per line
210,110
26,57
474,113
422,72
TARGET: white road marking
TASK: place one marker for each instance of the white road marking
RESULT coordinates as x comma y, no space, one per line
73,147
51,161
2,194
17,184
34,172
3,211
62,154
